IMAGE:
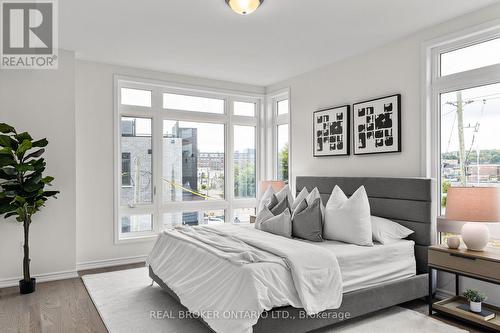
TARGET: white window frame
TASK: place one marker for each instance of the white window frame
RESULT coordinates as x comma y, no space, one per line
156,112
433,85
273,120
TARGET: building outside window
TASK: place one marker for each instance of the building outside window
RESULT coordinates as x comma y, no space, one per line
186,156
464,94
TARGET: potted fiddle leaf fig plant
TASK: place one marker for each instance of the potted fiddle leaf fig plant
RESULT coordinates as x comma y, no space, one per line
475,299
22,186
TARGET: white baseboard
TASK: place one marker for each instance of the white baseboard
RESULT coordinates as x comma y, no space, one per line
109,262
45,277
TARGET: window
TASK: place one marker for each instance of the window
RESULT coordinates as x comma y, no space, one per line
465,113
192,103
193,218
126,175
244,109
136,145
476,56
244,162
280,110
193,161
183,156
282,152
135,97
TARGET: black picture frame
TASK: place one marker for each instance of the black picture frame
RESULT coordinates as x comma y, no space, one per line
396,147
330,140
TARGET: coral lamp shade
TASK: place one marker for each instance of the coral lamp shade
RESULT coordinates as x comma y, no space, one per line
244,7
275,184
474,204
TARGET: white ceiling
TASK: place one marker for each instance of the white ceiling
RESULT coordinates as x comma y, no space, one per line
205,38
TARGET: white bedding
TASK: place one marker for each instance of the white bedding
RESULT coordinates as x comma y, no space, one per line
209,284
229,295
368,266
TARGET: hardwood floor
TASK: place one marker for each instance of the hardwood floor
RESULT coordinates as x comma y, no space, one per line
65,306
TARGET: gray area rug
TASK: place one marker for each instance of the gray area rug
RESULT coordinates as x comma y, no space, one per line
127,303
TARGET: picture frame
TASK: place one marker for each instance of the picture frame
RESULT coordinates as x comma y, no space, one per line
331,131
377,125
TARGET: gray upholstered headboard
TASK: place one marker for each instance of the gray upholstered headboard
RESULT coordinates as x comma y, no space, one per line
408,201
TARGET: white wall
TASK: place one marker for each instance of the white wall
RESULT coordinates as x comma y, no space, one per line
394,68
94,164
42,102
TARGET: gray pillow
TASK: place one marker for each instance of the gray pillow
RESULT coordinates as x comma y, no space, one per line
273,202
263,215
299,208
308,223
279,225
280,207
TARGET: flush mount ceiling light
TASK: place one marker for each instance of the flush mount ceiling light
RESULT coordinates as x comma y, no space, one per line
244,7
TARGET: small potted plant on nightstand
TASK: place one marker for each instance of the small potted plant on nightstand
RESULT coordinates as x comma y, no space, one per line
475,299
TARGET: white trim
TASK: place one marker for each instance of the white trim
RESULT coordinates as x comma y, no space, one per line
44,277
82,266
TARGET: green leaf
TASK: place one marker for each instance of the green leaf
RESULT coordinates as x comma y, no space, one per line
4,128
5,141
20,200
10,214
9,170
37,153
40,143
24,136
24,167
23,147
50,193
6,161
47,180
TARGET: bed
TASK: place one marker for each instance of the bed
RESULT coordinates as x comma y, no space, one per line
373,277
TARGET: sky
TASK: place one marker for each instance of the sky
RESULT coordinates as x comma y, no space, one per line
485,110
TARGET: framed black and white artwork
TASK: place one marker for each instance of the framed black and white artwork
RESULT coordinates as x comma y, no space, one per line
331,129
377,126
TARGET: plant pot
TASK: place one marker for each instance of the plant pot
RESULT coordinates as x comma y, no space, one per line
27,287
475,306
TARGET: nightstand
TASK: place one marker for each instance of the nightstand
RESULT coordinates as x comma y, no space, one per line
484,266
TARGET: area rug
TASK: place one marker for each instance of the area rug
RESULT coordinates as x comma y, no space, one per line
127,302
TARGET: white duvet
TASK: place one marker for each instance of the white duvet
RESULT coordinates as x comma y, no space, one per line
229,274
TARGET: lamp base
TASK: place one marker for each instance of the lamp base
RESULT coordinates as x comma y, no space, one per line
475,236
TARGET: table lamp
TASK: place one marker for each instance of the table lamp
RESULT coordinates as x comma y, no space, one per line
277,185
475,205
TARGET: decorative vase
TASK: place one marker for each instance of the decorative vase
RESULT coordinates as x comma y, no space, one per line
475,236
475,306
27,287
453,242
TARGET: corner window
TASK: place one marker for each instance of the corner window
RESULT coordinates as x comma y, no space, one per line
183,156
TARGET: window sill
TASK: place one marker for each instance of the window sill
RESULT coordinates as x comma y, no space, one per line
136,239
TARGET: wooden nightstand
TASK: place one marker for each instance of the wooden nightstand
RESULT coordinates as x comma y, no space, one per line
484,266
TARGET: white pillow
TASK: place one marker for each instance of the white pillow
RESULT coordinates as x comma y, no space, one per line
285,193
265,199
301,196
313,196
386,231
348,219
